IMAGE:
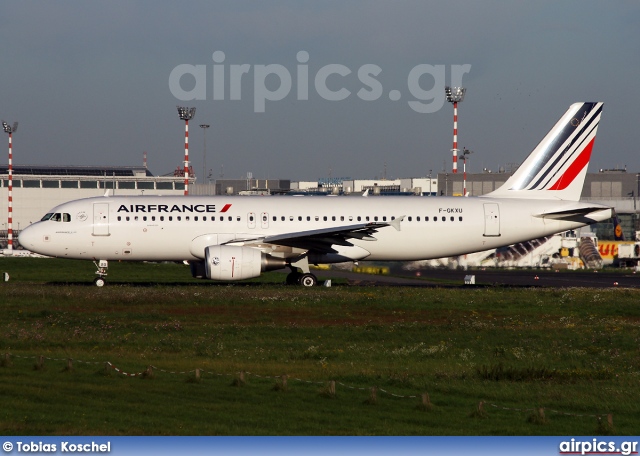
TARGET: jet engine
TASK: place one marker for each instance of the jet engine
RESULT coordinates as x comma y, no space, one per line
229,262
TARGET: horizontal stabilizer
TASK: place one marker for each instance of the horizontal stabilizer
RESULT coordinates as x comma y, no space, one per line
568,214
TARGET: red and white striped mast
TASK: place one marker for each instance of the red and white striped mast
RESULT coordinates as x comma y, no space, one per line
465,152
204,155
186,114
10,130
455,95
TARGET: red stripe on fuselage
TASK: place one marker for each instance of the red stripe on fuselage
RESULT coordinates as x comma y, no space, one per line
226,208
575,168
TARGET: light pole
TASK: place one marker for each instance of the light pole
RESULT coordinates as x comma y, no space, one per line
455,95
204,155
186,114
10,130
463,157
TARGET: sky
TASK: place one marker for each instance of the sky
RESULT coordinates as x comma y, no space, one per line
313,89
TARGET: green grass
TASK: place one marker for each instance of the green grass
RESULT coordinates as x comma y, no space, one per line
572,351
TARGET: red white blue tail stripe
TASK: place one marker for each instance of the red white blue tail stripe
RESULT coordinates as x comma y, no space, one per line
557,166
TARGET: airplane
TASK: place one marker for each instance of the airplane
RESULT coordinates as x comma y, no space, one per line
229,238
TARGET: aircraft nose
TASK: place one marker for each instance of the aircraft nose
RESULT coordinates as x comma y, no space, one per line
28,238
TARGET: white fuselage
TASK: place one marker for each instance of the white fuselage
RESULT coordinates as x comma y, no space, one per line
159,228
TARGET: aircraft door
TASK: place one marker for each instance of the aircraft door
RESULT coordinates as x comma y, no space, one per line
491,219
251,220
101,219
264,220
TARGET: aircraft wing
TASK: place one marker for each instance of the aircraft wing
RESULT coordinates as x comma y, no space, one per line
321,240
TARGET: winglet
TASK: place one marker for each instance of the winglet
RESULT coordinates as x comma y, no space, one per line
366,193
396,222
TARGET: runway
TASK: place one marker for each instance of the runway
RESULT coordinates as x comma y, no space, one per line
609,278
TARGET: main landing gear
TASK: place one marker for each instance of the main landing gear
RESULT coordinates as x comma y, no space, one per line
102,266
304,278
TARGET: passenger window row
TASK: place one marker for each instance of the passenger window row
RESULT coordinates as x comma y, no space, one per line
291,218
178,218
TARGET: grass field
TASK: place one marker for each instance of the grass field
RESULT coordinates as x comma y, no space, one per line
572,354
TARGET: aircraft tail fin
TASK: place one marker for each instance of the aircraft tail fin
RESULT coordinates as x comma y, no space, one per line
618,235
557,167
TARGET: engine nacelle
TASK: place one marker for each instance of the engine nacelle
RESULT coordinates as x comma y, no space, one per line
230,262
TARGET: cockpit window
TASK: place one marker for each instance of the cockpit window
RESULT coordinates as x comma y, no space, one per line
56,217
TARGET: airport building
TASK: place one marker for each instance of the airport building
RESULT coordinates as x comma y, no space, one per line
423,186
247,186
605,184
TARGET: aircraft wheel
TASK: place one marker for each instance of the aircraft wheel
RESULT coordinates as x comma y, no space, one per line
99,282
293,278
308,280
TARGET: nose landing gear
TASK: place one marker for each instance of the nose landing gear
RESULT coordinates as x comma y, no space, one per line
102,266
